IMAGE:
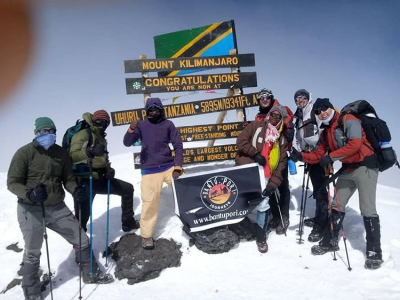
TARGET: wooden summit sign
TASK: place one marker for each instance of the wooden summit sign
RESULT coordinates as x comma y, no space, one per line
188,109
189,63
199,155
190,83
210,131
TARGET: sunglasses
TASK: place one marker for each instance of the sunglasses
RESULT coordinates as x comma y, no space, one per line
318,111
101,123
301,97
276,116
46,130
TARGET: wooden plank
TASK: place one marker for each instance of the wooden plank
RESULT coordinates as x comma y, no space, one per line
189,63
210,131
190,83
200,155
188,109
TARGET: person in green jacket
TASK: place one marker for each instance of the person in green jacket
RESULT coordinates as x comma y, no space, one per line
36,176
89,153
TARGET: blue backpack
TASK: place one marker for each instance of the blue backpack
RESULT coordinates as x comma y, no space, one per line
80,125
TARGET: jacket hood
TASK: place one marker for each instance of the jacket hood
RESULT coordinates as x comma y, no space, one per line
88,118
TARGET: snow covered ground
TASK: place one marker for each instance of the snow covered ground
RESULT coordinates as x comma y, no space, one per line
287,271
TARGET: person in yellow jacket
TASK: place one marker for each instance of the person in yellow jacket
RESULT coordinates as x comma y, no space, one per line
263,143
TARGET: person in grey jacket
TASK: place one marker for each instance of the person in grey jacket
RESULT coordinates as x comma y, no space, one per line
307,140
36,176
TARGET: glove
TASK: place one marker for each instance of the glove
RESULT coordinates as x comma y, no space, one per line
96,150
133,125
176,173
38,194
326,160
267,192
79,194
260,159
110,173
295,155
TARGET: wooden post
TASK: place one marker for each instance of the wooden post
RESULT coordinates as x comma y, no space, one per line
145,75
231,92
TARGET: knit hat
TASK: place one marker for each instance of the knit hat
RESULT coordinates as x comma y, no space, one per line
322,103
44,122
302,92
282,110
101,115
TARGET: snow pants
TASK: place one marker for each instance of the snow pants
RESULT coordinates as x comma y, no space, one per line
57,218
320,194
151,187
284,199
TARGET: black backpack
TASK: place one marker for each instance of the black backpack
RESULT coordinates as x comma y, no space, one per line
376,131
80,125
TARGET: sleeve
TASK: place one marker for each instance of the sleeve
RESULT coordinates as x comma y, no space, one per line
276,176
131,137
17,175
68,178
244,141
79,143
314,157
177,144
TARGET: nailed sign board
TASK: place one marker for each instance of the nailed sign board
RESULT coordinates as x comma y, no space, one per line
210,131
189,63
190,83
188,109
201,155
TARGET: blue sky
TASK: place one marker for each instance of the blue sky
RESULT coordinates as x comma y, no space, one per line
343,50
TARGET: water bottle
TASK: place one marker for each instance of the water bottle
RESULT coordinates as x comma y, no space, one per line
384,145
292,167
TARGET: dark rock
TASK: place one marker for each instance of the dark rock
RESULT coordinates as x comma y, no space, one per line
137,264
14,247
245,229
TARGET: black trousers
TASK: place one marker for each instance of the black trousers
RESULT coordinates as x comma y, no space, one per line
284,199
117,187
320,194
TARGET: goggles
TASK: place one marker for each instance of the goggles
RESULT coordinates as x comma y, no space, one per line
101,123
265,97
276,116
47,130
301,97
318,111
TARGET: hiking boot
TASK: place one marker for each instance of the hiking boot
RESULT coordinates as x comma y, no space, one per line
374,260
34,297
147,243
323,248
280,229
309,222
316,234
130,225
98,278
262,247
274,223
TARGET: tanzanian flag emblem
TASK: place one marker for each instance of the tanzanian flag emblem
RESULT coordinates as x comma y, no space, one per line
211,40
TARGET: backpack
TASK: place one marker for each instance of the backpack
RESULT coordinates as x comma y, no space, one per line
79,125
376,131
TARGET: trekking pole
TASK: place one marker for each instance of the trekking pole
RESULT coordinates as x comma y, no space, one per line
302,204
108,216
80,244
303,201
91,216
329,171
343,233
47,249
279,209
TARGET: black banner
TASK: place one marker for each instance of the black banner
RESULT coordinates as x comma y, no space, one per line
188,109
200,155
190,83
210,131
189,63
219,197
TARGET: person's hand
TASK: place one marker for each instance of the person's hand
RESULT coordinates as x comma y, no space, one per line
133,125
295,155
96,150
267,192
79,194
110,173
176,173
325,161
260,159
38,194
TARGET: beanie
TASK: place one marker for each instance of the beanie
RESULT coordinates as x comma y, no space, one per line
322,103
282,110
44,122
101,115
302,92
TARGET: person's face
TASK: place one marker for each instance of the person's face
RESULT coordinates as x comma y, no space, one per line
323,113
275,117
301,101
102,124
154,112
265,101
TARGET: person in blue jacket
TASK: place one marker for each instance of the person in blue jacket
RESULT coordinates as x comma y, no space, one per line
157,163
